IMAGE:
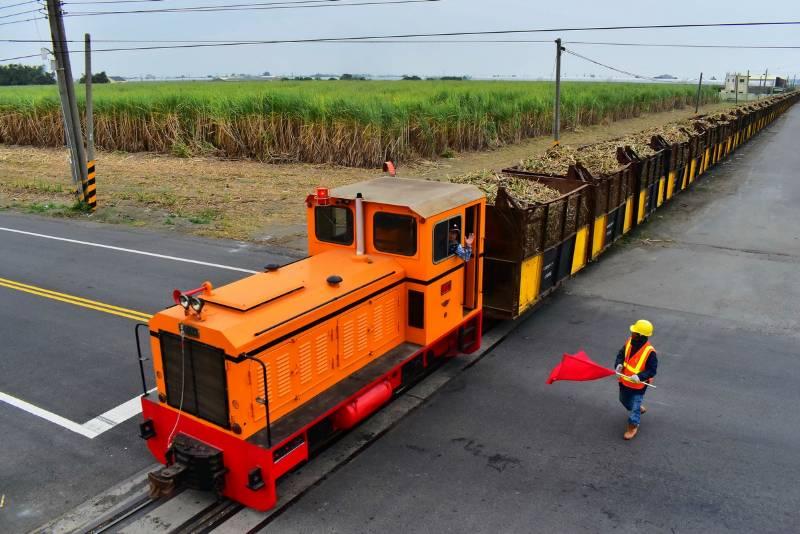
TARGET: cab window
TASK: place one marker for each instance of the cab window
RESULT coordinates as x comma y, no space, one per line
443,246
394,233
334,224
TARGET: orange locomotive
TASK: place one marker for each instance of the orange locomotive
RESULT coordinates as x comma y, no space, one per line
254,377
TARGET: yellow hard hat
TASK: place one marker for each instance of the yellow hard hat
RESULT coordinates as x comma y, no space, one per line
642,327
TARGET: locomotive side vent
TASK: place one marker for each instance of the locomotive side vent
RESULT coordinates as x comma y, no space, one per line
200,369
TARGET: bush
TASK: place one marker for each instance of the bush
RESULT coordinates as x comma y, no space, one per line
25,75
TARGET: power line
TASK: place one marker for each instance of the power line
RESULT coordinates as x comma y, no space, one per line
19,21
113,2
678,45
20,4
639,76
490,32
21,13
212,6
19,57
342,40
434,41
439,41
302,4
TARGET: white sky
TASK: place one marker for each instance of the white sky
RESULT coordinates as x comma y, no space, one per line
481,60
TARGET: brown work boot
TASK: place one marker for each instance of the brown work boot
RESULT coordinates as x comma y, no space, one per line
643,409
631,432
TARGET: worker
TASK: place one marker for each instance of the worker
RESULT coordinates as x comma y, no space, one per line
454,243
636,365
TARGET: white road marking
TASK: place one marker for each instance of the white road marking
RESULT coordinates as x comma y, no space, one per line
129,250
114,416
49,416
90,429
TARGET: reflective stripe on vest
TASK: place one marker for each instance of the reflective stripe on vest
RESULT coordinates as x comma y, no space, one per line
634,364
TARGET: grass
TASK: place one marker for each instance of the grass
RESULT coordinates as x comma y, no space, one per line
58,209
343,122
204,217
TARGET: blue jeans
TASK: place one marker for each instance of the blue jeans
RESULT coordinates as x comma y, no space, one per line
632,400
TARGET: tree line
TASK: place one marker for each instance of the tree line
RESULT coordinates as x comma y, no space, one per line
25,75
16,74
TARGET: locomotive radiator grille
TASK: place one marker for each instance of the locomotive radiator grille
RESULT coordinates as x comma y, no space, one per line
195,378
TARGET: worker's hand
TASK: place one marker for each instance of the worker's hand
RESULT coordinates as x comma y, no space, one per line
619,368
635,379
470,239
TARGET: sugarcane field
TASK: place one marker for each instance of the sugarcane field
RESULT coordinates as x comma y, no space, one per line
347,266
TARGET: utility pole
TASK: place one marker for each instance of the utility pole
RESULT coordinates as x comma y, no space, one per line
736,89
65,116
90,191
697,100
69,105
747,88
557,114
89,104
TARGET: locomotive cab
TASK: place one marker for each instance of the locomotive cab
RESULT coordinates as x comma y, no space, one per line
253,377
418,225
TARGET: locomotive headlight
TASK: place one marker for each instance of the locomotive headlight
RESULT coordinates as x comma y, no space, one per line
196,304
183,300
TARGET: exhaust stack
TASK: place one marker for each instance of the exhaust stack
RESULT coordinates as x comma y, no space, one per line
359,225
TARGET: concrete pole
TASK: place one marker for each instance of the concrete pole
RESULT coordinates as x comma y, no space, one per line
736,89
89,104
66,117
697,100
747,88
557,112
61,53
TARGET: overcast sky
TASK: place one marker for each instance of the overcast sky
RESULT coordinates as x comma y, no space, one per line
527,60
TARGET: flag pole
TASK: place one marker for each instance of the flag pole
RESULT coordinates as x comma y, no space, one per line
625,377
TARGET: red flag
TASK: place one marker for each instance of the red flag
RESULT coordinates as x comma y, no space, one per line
578,367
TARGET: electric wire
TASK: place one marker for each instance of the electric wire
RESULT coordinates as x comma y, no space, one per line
20,21
20,4
684,45
114,2
210,6
273,6
19,57
38,10
622,71
419,41
406,38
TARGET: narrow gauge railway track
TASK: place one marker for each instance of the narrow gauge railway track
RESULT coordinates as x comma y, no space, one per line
131,518
143,514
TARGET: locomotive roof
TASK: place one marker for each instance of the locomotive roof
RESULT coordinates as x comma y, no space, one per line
424,197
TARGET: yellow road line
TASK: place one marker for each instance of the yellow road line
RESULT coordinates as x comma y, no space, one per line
72,297
76,301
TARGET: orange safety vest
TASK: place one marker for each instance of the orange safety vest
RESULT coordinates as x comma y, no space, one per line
635,363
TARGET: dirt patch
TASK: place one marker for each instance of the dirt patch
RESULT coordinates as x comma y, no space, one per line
237,199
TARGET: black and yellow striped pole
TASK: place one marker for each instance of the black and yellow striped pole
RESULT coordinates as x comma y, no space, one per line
90,189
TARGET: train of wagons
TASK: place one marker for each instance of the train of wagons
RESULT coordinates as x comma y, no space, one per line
254,377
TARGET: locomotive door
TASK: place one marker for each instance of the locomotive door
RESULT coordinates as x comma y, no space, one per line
471,289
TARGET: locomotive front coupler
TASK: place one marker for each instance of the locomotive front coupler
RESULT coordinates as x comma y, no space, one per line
190,463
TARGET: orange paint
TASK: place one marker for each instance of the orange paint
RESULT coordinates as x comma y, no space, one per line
312,333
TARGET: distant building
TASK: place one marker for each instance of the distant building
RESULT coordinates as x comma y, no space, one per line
753,86
117,79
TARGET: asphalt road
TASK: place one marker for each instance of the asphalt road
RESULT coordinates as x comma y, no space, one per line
77,362
497,450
